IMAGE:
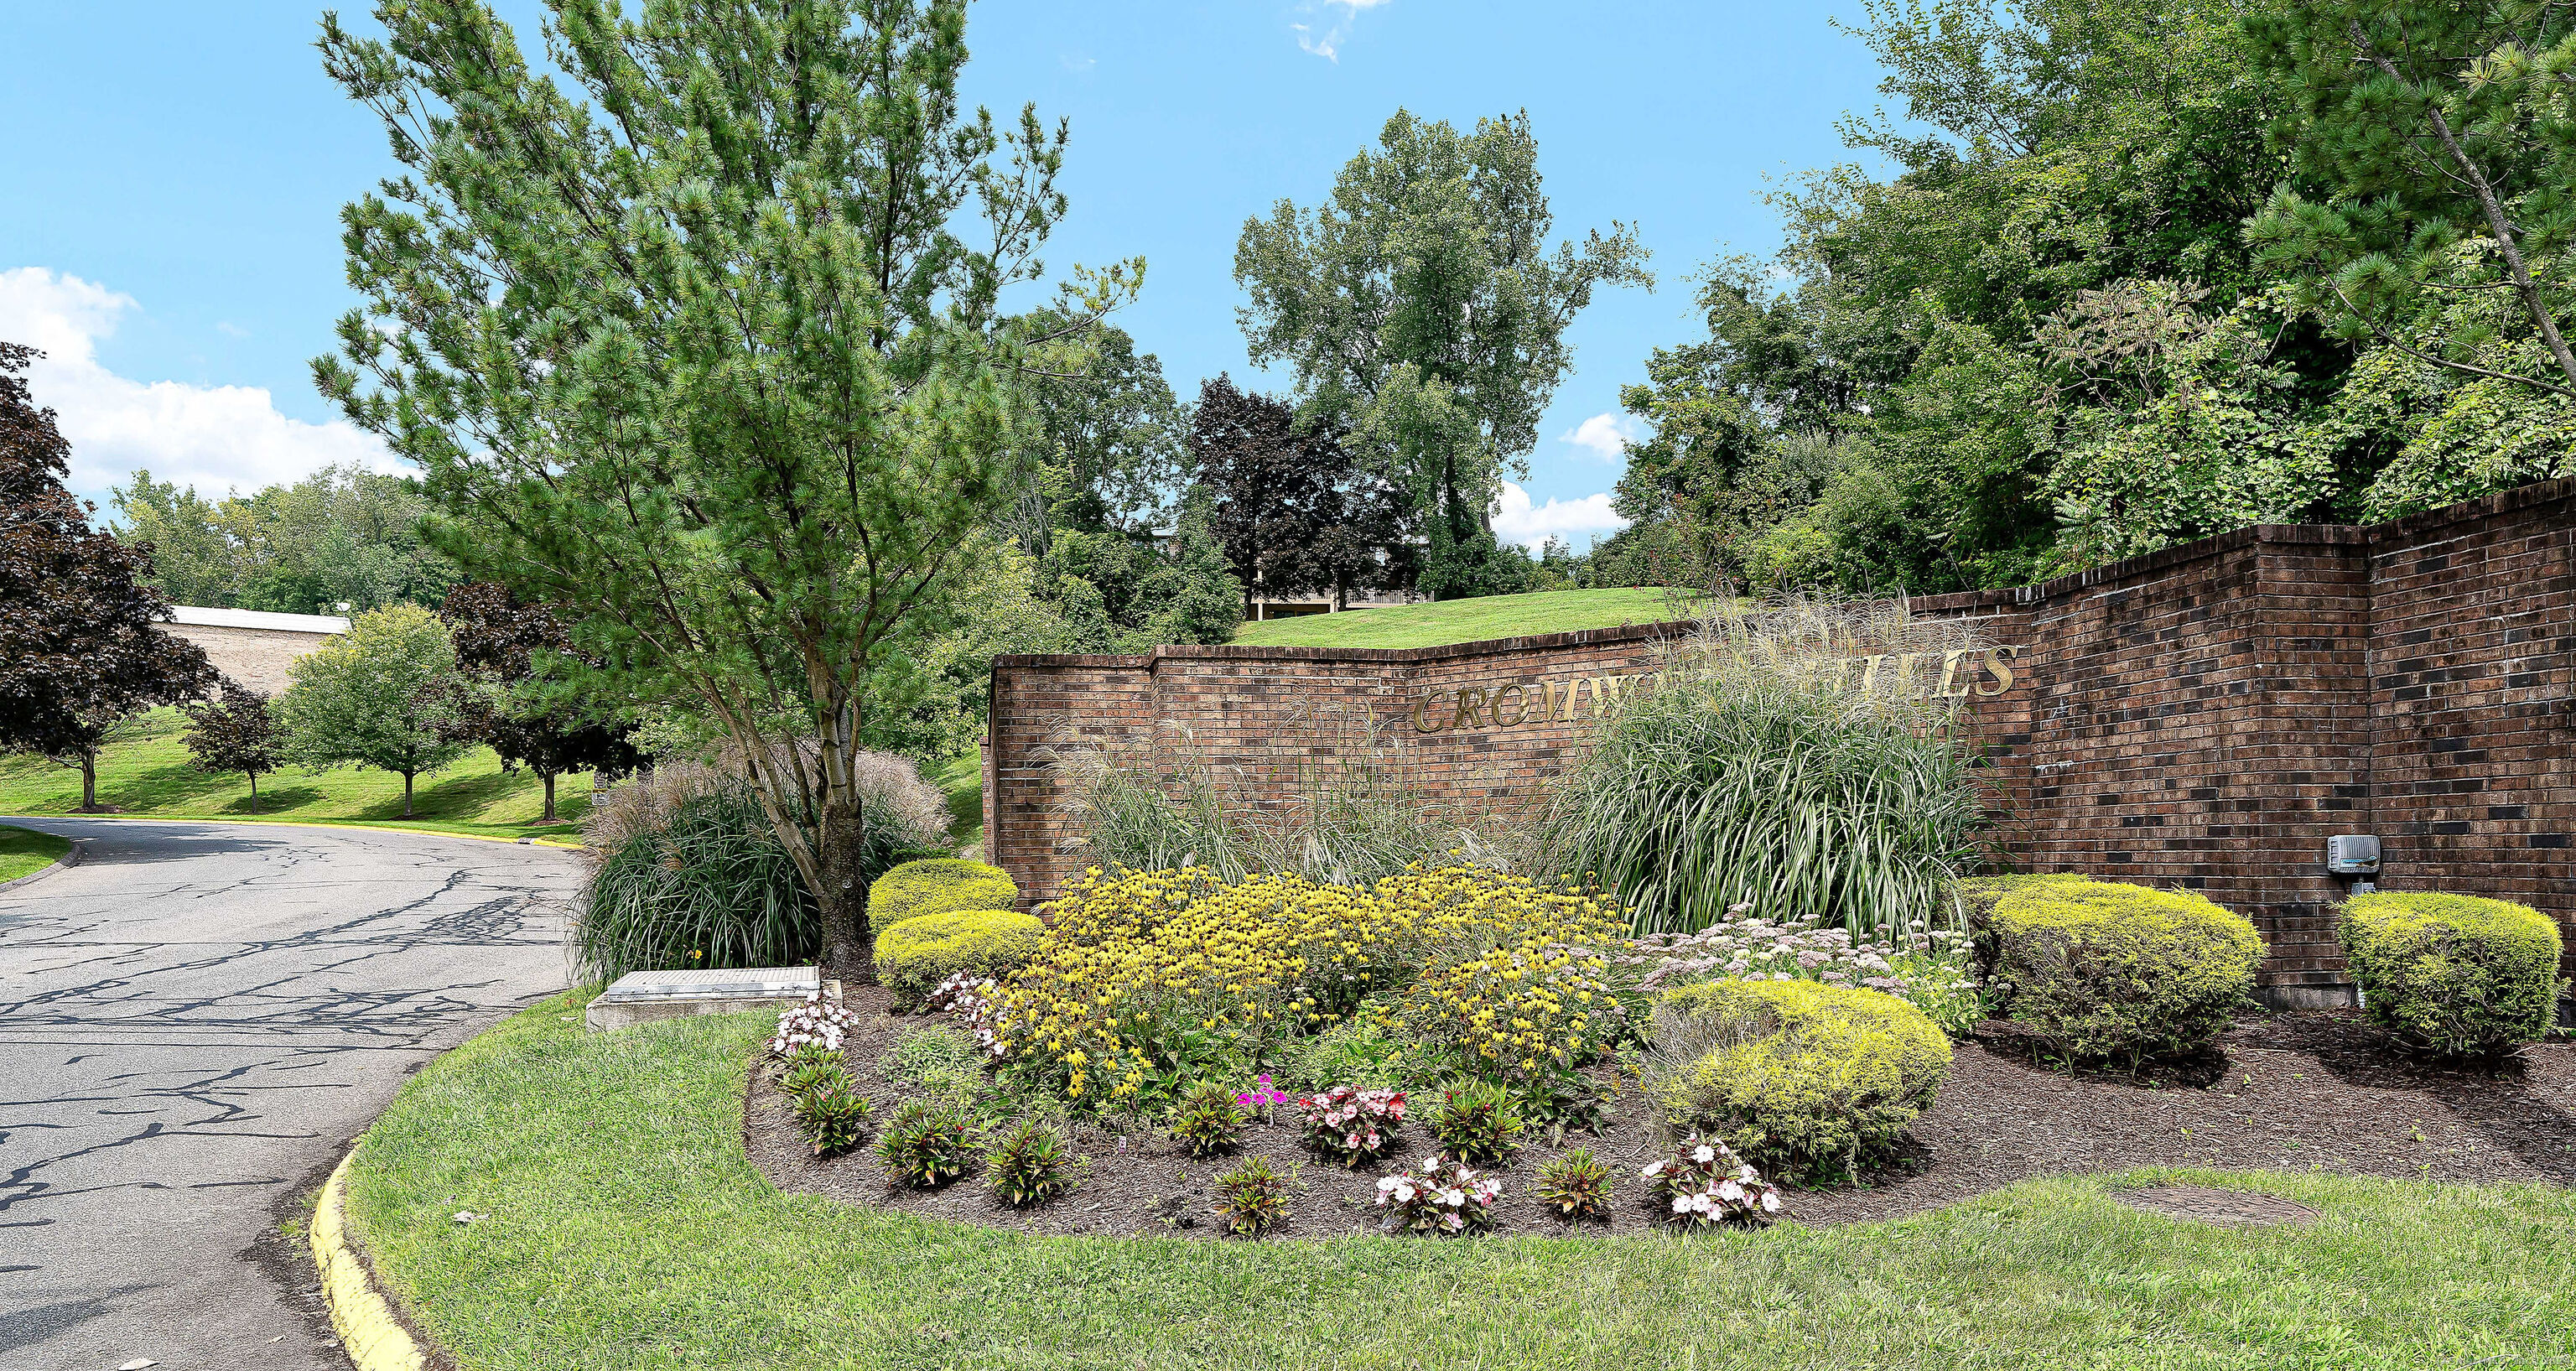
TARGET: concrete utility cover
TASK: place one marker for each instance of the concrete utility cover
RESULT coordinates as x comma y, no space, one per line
643,996
2216,1206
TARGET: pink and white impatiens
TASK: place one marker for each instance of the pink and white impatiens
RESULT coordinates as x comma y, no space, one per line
822,1021
1352,1125
1443,1197
1705,1183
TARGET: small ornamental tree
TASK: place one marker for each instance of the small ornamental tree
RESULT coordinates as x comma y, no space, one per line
385,695
234,732
80,649
501,645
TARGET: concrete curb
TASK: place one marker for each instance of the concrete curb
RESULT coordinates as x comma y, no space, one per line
369,1330
69,858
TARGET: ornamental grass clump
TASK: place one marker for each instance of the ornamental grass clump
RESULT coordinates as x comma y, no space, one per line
832,1118
1703,1184
2100,970
1806,757
1252,1198
1442,1196
1808,1078
1208,1119
926,1144
2453,975
1150,981
1028,1166
1350,1125
1476,1121
1575,1185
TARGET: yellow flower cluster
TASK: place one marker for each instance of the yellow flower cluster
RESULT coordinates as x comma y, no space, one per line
1150,979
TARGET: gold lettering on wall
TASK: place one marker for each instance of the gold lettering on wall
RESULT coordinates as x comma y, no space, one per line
1964,673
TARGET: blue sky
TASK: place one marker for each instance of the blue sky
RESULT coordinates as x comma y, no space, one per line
174,172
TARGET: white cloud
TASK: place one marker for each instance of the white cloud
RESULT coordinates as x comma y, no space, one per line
1606,436
1326,40
216,438
1516,520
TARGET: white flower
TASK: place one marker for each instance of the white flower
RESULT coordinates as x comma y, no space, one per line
1730,1192
1703,1153
1681,1204
1652,1170
1770,1203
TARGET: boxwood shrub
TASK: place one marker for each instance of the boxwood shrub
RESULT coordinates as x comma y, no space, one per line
1796,1075
2108,971
2452,975
916,954
938,885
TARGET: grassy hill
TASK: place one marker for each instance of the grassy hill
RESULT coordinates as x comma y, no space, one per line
24,852
147,773
1469,621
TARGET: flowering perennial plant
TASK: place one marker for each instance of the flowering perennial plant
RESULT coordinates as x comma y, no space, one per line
821,1022
1207,1119
925,1146
1149,980
1028,1166
1925,966
1704,1183
1351,1125
1253,1197
1262,1096
1476,1122
1445,1196
970,997
1575,1185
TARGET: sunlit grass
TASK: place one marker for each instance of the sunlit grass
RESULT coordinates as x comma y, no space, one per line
626,1229
24,851
1470,621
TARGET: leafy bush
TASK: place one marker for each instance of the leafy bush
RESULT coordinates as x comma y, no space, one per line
938,885
1792,1073
832,1118
2453,975
1443,1197
916,954
1367,1051
1253,1197
1703,1183
1151,981
1476,1122
805,1077
686,870
1747,773
1352,1126
1208,1119
926,1144
2103,970
1928,968
1028,1166
942,1062
1576,1185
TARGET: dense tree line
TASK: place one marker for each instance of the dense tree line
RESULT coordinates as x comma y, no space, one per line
2145,272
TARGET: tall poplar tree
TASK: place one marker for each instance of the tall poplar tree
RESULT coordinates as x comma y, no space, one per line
1424,313
691,335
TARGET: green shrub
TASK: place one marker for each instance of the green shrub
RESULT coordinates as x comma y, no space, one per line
1028,1166
1794,1074
926,1144
2103,970
1207,1119
1575,1185
807,1077
938,885
1476,1122
2453,975
916,954
942,1061
1253,1197
1365,1052
831,1118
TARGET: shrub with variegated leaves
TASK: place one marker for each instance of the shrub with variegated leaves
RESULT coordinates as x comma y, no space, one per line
822,1021
1703,1183
1443,1196
1350,1125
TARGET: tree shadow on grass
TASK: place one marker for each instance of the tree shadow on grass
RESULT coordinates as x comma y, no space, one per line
464,797
274,800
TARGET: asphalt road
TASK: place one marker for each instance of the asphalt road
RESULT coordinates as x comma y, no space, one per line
194,1023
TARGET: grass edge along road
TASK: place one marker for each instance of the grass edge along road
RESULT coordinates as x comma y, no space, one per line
1469,621
24,851
626,1228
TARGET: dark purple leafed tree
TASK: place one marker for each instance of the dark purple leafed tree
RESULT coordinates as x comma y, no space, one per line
499,641
234,732
80,646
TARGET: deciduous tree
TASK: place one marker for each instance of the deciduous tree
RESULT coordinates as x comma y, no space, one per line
687,330
385,694
80,649
234,732
530,720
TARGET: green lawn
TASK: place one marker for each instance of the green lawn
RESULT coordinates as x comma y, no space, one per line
24,851
1469,621
147,772
961,782
626,1229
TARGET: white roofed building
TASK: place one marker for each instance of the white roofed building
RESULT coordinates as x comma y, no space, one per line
254,647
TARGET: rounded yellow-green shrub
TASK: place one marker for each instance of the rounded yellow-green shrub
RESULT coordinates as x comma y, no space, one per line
914,955
2102,970
1795,1075
937,885
2452,975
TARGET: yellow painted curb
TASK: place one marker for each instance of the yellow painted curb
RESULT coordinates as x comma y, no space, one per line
360,1314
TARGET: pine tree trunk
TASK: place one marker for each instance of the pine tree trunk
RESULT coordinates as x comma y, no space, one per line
406,794
549,816
843,898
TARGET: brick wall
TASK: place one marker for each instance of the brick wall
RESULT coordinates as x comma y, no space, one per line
2204,716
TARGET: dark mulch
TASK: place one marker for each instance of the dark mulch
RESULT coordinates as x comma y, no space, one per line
2294,1092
